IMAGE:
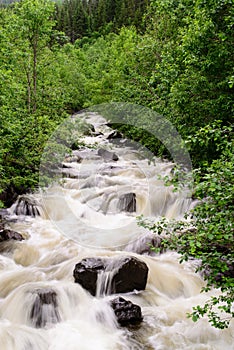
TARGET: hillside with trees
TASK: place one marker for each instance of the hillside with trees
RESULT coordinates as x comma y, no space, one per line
175,57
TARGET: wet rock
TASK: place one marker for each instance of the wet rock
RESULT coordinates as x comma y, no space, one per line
72,159
97,133
131,275
114,135
145,244
125,274
3,213
110,169
66,166
70,173
26,205
45,308
127,202
107,155
86,273
85,154
6,235
126,312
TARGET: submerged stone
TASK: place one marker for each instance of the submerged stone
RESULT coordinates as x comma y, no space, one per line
107,155
127,202
145,244
45,308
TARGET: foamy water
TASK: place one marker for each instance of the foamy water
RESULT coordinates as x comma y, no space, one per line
83,218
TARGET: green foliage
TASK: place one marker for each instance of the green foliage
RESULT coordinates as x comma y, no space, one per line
208,235
208,143
192,73
214,308
37,89
181,67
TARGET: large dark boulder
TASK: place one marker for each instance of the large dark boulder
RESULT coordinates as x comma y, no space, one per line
126,312
45,308
121,275
86,273
6,235
131,275
107,155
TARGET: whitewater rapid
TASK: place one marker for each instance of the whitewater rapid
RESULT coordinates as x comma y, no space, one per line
83,216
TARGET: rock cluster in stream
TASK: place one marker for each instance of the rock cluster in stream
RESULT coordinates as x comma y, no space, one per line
127,275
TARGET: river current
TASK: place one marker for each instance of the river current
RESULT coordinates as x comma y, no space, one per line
92,213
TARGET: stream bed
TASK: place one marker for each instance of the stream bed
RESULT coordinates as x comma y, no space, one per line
92,214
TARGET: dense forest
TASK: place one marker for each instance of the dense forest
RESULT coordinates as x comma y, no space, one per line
172,56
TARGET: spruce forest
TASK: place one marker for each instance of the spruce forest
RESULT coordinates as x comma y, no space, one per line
175,57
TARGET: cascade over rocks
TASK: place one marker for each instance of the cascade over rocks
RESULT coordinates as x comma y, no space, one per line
126,312
107,155
127,202
45,308
26,205
126,273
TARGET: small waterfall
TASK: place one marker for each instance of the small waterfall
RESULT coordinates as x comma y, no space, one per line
104,282
45,308
127,202
26,205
